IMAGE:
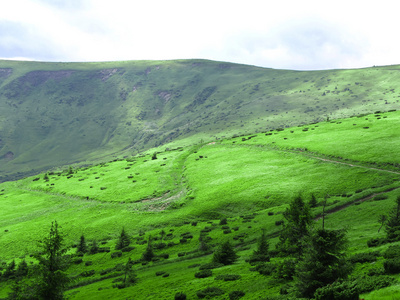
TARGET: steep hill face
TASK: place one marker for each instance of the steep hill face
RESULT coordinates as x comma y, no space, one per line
52,114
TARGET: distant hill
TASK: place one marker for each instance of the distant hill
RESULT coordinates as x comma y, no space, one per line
54,114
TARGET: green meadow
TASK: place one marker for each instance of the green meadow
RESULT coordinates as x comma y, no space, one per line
57,114
176,192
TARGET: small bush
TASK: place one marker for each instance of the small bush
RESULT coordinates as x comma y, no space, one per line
236,295
128,249
265,268
392,252
180,296
203,273
228,277
376,242
392,266
279,222
380,197
116,254
211,265
223,221
367,284
210,292
77,260
160,273
88,263
87,273
338,291
363,257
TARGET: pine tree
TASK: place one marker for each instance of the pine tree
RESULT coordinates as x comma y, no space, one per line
82,247
123,241
298,219
94,248
22,269
313,201
52,279
130,275
148,254
323,263
225,254
392,225
261,254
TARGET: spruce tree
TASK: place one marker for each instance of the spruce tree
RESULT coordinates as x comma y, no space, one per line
324,261
392,225
94,248
130,275
52,280
225,254
82,247
148,254
123,241
298,219
261,254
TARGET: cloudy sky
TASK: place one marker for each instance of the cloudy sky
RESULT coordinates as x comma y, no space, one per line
287,34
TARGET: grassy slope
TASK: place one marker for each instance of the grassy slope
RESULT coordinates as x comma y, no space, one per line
235,178
52,114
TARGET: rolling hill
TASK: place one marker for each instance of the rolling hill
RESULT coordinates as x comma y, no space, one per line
56,114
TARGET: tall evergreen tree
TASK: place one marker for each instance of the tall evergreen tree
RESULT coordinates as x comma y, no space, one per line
52,279
148,254
94,248
123,241
82,247
392,224
298,218
225,254
261,254
323,263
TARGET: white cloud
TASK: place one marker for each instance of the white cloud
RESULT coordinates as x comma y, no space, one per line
282,34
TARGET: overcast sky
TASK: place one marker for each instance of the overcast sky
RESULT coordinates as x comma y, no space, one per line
286,34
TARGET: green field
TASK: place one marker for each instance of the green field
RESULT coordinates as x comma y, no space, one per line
191,186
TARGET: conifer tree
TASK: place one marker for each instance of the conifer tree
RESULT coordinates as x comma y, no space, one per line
392,224
123,241
148,254
261,254
82,247
298,219
225,254
130,275
52,279
323,263
94,248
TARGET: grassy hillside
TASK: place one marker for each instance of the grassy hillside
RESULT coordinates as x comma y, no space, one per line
54,114
174,194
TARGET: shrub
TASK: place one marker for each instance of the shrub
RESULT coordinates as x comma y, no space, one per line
223,221
210,292
265,268
211,265
77,260
180,296
279,222
380,197
128,249
228,277
225,254
376,242
338,291
392,266
392,252
236,295
87,273
88,263
363,257
367,284
116,254
203,273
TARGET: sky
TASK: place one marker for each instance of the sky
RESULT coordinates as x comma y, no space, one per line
283,34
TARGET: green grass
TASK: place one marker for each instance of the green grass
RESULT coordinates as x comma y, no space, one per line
248,180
